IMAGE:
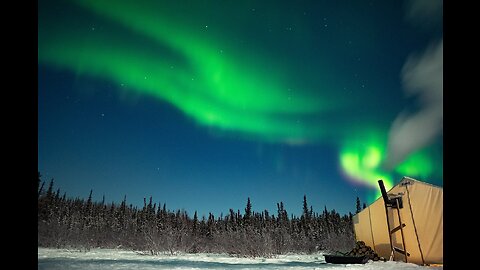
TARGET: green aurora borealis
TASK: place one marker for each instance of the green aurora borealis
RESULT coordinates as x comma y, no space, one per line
227,81
210,86
361,160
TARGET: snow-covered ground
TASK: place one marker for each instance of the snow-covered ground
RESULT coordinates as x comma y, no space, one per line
121,259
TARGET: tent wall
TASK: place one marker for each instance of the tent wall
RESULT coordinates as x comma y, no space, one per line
422,213
427,210
362,227
380,229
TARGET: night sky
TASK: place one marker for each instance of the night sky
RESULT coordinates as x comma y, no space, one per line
201,104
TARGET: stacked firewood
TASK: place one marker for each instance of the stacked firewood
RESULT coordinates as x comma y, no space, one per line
361,249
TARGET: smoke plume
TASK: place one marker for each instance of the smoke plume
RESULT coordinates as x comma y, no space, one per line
421,77
424,13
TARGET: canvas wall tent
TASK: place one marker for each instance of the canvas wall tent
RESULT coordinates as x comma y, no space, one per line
422,214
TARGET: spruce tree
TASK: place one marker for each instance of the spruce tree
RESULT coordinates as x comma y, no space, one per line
358,205
195,224
248,210
50,190
40,188
305,208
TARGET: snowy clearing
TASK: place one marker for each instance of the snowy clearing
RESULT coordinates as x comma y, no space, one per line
121,259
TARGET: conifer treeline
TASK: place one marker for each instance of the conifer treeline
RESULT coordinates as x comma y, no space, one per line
83,224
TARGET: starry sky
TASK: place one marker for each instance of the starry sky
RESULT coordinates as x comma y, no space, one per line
201,104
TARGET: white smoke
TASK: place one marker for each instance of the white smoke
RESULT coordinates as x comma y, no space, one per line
422,77
424,13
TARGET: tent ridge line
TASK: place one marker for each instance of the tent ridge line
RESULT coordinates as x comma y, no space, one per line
418,181
403,178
